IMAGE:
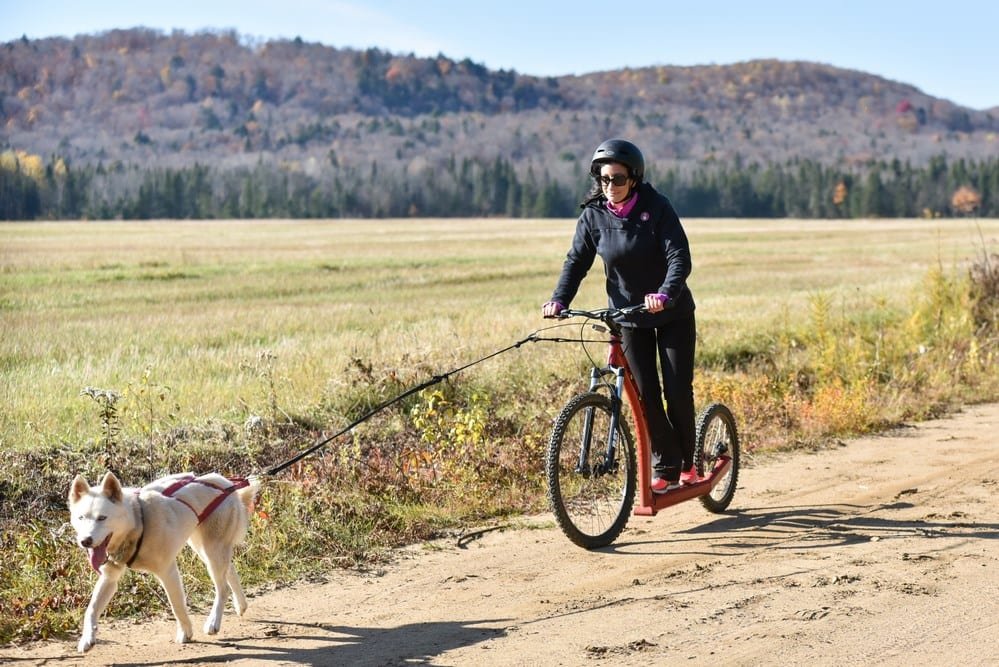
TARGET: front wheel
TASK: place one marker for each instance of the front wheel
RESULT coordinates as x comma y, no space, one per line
590,491
717,437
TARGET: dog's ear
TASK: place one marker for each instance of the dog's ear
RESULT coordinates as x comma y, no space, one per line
78,489
111,487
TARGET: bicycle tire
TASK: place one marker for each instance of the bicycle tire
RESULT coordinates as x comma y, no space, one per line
591,509
716,436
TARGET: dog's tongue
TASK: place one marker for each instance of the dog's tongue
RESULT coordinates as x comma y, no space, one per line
99,554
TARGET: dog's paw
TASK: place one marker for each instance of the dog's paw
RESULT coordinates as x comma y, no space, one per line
212,625
86,643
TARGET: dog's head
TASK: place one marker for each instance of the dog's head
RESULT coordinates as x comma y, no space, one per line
97,513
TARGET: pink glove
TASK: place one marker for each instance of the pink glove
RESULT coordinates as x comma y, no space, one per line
552,308
656,302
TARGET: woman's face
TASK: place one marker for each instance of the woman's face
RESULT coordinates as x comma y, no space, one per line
615,182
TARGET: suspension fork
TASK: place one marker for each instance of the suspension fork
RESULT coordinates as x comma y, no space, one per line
615,419
587,436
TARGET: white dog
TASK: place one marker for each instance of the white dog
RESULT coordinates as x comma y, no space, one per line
144,529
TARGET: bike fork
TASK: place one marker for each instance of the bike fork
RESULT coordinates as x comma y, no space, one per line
587,435
615,418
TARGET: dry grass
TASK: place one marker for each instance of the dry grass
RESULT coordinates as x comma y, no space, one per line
808,330
192,308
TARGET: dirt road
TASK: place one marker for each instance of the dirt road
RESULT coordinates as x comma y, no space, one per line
882,551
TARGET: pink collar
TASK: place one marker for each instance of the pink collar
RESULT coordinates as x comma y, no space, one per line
622,210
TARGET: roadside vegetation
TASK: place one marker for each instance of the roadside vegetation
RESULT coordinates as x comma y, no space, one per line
148,348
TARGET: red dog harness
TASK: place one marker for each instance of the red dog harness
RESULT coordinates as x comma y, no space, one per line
224,492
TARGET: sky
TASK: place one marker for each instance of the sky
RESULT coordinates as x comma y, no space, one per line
946,50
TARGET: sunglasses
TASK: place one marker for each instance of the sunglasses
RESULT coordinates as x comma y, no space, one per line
617,180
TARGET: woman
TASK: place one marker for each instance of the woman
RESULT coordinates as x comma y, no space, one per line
646,260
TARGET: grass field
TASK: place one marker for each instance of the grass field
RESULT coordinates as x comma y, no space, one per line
808,330
221,320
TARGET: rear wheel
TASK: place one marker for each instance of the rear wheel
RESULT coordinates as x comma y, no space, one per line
717,437
590,496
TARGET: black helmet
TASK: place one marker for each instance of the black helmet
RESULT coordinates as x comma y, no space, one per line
619,150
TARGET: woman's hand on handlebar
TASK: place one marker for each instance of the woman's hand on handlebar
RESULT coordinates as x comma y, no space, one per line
552,308
655,303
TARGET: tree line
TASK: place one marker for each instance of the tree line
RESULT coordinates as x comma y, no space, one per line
33,190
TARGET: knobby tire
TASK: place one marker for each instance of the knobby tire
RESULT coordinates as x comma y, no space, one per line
590,507
716,435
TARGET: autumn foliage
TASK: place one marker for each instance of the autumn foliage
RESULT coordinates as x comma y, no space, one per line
965,200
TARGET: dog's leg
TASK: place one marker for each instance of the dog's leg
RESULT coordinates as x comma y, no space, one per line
218,559
174,587
238,598
105,589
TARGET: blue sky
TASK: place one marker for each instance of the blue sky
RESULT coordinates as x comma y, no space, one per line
945,52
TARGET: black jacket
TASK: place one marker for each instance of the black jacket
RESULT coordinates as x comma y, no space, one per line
645,253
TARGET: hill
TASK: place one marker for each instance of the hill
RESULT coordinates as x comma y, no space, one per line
142,97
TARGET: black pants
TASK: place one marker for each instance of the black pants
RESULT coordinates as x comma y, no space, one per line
671,430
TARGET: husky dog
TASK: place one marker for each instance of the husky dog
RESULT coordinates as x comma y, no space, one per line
144,529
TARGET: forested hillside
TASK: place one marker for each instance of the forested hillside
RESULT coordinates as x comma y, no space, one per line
137,123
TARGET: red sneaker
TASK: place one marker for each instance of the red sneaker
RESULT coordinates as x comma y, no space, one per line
690,476
660,485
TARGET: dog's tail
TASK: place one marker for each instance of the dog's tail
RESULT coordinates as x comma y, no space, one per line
248,494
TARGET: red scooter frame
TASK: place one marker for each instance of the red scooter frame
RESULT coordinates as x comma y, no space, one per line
648,503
